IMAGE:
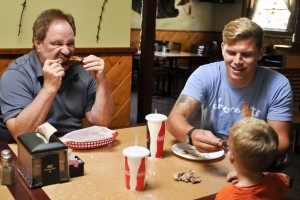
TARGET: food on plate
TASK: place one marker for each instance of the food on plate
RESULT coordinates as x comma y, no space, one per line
224,141
72,61
194,152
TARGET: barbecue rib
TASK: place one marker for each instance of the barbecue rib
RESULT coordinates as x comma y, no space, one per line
72,61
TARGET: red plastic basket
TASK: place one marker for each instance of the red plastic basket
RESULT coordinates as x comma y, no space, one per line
91,144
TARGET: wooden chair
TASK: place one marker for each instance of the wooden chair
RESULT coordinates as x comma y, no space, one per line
270,60
183,72
173,46
293,74
158,44
162,70
199,49
215,52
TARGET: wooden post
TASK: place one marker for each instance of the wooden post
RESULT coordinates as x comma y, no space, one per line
145,77
296,41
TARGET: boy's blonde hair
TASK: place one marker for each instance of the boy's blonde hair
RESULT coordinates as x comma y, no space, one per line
254,143
243,28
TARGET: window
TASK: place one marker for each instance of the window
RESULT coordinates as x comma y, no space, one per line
272,15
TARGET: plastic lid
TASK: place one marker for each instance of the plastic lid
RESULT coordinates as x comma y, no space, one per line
136,152
156,117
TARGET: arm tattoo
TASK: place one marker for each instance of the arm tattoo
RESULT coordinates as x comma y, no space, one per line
188,104
182,99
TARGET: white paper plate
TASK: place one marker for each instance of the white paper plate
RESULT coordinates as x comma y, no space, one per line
189,152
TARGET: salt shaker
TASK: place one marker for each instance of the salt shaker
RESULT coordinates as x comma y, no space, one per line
3,152
7,170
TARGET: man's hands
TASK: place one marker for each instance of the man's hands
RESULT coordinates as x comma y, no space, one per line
53,73
95,66
178,125
205,141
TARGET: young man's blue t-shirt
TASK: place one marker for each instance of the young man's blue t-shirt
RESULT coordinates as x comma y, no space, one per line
269,97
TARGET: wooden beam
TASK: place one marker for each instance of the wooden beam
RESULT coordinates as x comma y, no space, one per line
145,77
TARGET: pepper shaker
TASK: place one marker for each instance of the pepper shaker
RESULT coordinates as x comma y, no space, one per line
7,170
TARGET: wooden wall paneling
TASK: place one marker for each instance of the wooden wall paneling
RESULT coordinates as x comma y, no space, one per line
110,61
5,60
119,78
187,38
120,97
120,70
135,38
121,117
3,64
118,73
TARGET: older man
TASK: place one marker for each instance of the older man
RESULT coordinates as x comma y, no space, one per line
38,88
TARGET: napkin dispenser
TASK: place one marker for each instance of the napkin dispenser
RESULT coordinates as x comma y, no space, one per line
42,160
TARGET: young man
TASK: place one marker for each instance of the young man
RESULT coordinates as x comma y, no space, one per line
252,147
38,88
225,92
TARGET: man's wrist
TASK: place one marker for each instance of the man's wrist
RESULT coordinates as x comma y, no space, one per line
189,136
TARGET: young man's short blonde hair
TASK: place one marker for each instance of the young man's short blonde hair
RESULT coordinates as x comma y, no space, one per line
243,28
254,143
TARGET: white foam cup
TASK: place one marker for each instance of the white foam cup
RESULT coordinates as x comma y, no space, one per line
135,158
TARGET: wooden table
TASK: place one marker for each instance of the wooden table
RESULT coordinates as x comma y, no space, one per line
180,54
104,174
172,57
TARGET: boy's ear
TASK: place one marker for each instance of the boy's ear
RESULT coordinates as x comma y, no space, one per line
230,156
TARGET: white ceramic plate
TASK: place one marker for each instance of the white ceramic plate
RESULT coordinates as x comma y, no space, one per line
189,152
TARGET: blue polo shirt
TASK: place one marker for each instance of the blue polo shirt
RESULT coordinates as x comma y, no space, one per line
22,81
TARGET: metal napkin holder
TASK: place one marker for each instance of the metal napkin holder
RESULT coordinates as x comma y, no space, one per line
42,157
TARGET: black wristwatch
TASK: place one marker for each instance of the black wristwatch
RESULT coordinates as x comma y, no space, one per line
188,136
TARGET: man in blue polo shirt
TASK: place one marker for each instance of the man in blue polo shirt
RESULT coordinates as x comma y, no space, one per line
37,88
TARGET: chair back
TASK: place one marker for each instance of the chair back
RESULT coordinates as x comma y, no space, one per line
269,60
199,49
158,45
293,74
174,46
214,51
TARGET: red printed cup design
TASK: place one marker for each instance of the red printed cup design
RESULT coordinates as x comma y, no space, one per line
156,127
135,167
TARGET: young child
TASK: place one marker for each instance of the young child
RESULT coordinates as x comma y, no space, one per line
252,146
